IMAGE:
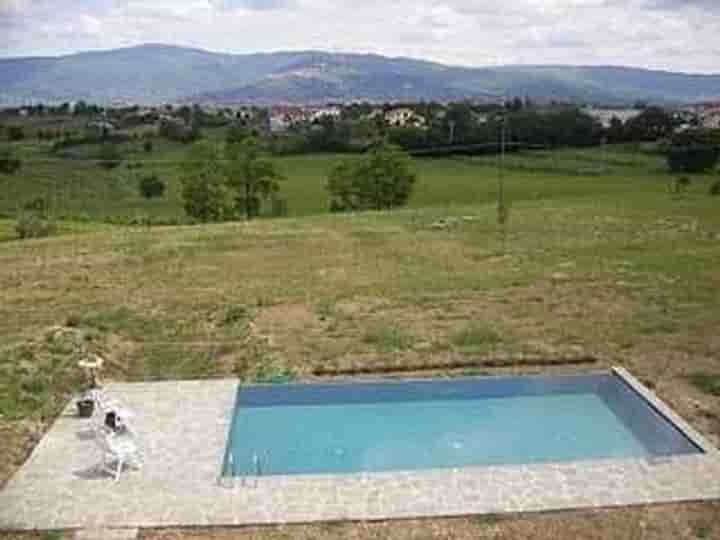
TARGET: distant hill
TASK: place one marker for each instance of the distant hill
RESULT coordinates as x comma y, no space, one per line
163,73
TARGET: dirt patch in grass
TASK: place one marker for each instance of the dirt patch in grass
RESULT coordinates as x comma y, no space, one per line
290,330
16,441
517,324
691,521
668,373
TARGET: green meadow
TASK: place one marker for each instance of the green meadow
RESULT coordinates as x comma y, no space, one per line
79,189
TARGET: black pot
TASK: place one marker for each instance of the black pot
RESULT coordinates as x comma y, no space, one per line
85,408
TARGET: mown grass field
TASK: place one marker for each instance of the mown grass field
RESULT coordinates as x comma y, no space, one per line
600,258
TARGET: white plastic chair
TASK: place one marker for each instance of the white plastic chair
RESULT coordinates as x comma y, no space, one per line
117,451
104,405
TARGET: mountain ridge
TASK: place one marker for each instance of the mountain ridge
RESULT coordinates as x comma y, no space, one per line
156,73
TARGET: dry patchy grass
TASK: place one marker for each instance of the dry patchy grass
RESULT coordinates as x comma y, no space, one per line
631,282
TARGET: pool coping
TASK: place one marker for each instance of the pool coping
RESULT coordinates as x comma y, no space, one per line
684,427
186,424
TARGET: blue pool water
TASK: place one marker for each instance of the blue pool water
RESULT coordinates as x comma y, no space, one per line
311,429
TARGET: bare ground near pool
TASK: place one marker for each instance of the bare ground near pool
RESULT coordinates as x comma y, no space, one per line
662,522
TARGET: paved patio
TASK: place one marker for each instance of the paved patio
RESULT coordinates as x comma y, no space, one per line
184,425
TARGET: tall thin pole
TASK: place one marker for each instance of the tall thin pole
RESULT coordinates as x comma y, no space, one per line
501,175
502,213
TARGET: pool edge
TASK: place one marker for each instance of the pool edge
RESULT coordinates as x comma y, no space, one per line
665,410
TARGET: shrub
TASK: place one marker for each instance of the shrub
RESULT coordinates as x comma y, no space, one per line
151,186
15,133
32,225
9,162
110,156
681,184
39,205
715,188
710,384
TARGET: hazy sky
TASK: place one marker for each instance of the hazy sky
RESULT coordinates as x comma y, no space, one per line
668,34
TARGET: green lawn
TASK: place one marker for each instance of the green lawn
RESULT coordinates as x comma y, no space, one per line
80,189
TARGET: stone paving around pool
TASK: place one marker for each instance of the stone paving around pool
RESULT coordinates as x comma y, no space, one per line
183,427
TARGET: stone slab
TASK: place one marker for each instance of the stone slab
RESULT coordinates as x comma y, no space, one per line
106,534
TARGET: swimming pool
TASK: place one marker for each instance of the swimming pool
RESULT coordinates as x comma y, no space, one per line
449,423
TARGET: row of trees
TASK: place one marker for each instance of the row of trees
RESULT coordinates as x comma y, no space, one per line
459,125
234,180
465,124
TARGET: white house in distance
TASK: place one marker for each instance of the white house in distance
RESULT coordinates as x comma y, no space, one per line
605,116
710,116
404,117
283,117
325,112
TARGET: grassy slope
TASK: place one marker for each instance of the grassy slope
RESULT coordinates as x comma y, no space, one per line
610,264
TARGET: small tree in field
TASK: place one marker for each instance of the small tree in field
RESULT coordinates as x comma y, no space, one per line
9,162
205,193
252,177
221,182
382,179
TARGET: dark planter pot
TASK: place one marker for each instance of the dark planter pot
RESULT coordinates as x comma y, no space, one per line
85,408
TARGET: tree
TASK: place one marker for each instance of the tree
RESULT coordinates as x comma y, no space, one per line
195,131
408,138
9,162
459,124
695,158
616,131
34,225
175,130
205,192
694,151
515,105
236,133
221,182
151,186
650,125
715,188
382,179
252,177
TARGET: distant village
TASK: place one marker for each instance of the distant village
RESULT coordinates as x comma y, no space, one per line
283,118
